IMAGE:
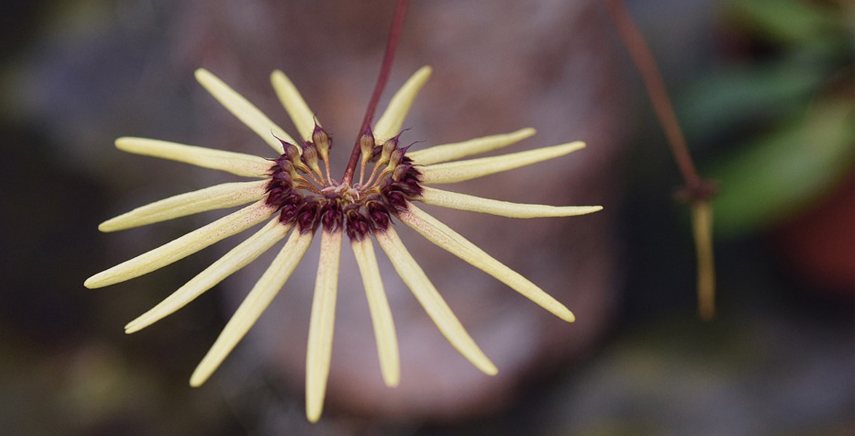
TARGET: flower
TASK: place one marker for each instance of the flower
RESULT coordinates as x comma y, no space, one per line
297,196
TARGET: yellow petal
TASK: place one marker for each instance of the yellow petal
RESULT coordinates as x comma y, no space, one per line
454,200
449,152
319,352
253,305
381,314
453,172
303,117
183,246
244,110
432,301
240,164
393,118
440,234
216,197
239,257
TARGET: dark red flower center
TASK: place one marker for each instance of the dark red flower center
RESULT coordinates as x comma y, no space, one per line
307,197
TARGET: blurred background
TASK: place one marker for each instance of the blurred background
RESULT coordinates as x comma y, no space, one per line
763,89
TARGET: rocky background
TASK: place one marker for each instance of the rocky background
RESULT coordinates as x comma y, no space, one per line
763,88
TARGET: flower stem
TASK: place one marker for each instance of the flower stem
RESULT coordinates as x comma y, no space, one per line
696,191
702,230
382,78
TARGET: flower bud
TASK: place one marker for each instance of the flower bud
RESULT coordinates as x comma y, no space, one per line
291,151
310,157
388,148
366,144
322,141
396,157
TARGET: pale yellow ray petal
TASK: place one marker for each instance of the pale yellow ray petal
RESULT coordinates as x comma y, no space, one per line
240,164
381,314
244,110
319,352
253,305
298,110
414,277
215,197
457,150
392,119
454,200
239,257
453,172
183,246
443,236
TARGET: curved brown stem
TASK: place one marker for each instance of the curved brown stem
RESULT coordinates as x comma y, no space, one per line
696,191
696,188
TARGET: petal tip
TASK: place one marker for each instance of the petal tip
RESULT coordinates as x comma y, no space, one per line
425,70
491,370
561,311
122,142
198,379
313,411
392,378
108,226
527,132
569,317
202,74
93,282
134,326
279,77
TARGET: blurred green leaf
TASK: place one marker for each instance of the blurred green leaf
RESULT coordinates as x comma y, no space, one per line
724,100
786,20
784,171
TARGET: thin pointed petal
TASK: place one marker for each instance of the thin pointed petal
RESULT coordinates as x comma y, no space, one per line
239,257
393,118
183,246
253,305
433,303
215,197
321,325
298,110
453,172
245,165
244,110
446,238
454,200
458,150
381,314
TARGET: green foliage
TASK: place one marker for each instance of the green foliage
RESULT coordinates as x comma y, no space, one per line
726,100
787,124
787,21
785,170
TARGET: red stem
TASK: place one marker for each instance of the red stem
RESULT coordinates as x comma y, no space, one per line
382,78
696,188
